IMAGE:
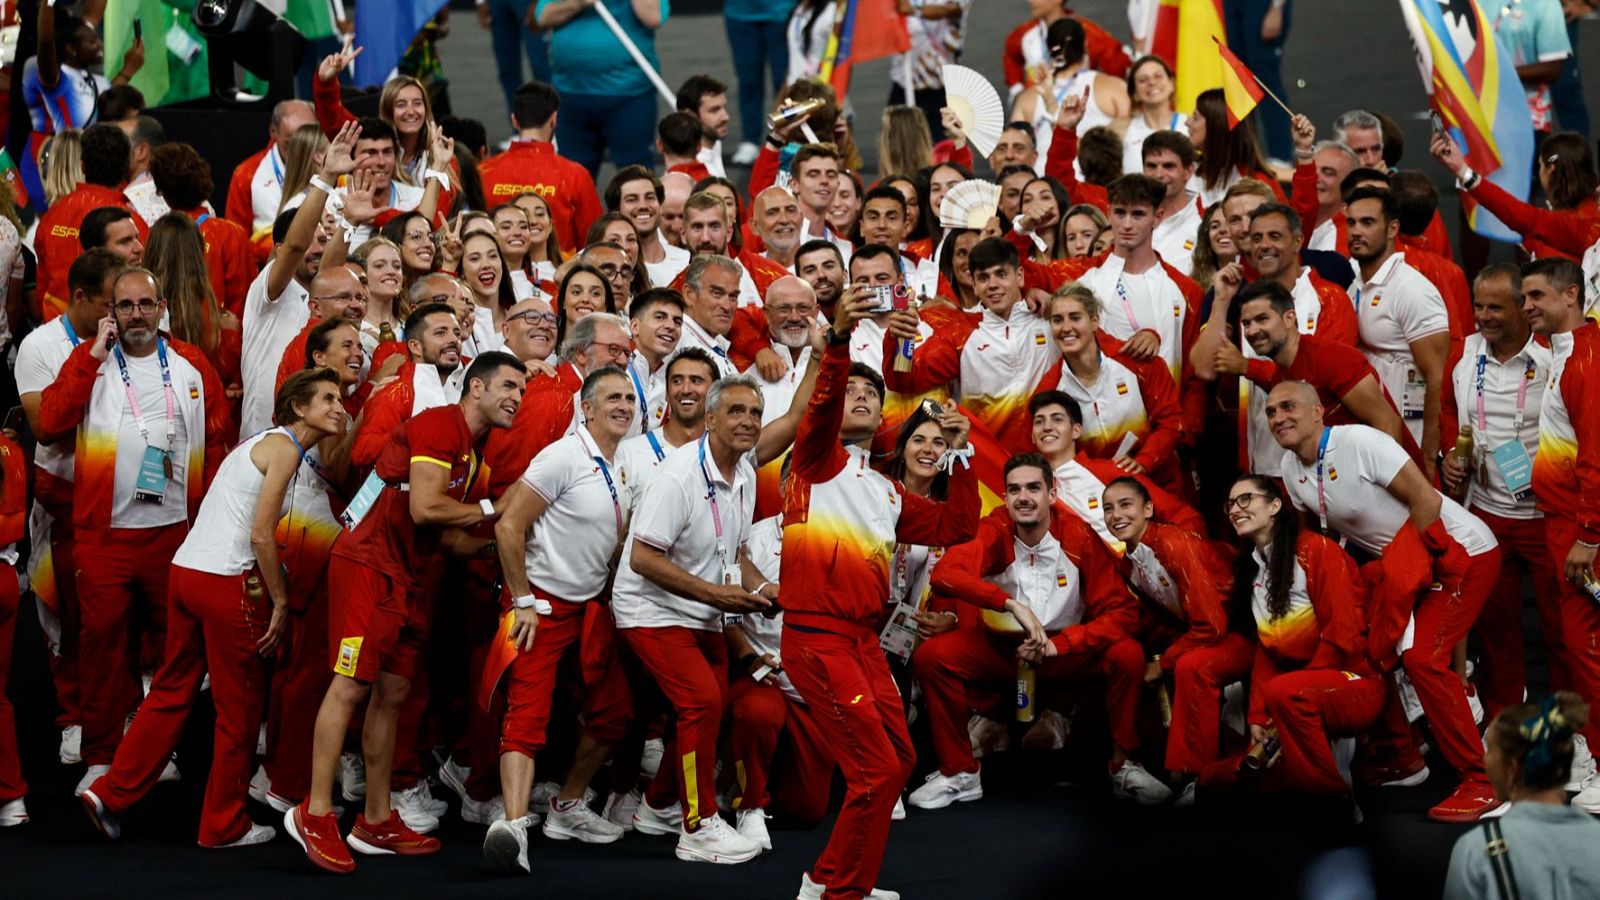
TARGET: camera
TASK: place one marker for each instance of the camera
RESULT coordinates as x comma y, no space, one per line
891,297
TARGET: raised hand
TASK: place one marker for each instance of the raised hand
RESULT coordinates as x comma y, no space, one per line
339,159
334,63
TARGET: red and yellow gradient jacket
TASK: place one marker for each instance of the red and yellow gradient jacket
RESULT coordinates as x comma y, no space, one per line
534,167
88,397
1328,635
240,208
842,518
1566,471
545,415
13,492
1110,612
1545,232
230,259
56,245
1158,425
1104,51
1203,577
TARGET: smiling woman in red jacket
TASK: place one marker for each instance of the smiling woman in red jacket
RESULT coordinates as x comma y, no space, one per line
1184,582
1310,681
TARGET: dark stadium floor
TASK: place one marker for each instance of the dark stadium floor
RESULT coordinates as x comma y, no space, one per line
1047,828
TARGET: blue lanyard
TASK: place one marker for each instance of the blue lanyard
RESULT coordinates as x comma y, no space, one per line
201,219
655,445
605,471
277,170
644,406
1322,499
72,333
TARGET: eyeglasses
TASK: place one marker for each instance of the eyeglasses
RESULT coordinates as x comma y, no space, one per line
145,307
535,318
1242,501
614,271
342,298
615,351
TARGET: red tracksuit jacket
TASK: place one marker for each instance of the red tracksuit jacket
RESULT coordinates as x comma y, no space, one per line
1204,578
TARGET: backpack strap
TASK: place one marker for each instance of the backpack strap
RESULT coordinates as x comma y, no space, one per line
1499,855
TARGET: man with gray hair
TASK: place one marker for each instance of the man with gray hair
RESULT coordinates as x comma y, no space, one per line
685,565
711,294
1362,132
256,188
1319,173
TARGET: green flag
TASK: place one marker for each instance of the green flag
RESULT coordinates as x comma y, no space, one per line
175,66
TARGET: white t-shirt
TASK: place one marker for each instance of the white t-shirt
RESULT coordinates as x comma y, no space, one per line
677,515
569,552
1357,466
269,326
1175,236
1149,300
662,273
39,360
126,512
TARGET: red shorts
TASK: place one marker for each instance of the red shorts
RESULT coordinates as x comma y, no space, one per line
369,627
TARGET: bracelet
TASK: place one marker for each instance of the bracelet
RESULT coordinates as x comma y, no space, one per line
1583,543
323,186
953,456
1305,155
487,506
763,585
529,601
1469,180
835,339
436,175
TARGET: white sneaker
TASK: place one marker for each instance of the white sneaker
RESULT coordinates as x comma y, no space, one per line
752,823
621,807
258,834
430,803
99,816
812,890
941,790
1582,764
649,820
353,776
1185,796
715,841
505,847
1132,782
1408,696
261,791
745,155
1588,799
650,759
483,812
1498,811
543,792
408,805
170,773
1049,732
899,813
987,736
89,778
13,813
1474,704
580,823
71,745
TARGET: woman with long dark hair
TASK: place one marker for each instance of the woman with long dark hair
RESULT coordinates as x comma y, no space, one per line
1226,155
484,271
1302,597
413,234
584,290
1571,224
1047,190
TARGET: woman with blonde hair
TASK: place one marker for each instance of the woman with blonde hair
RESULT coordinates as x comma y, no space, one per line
406,105
176,255
300,162
905,146
61,164
386,299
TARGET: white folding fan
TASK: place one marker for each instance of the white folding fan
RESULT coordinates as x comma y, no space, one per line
970,204
977,104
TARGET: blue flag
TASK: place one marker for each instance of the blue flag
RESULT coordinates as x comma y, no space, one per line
385,28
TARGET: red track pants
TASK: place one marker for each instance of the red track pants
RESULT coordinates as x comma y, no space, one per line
1312,706
779,761
113,567
1523,549
1198,678
1443,620
55,496
1580,622
298,685
846,683
531,683
213,626
951,665
691,667
11,784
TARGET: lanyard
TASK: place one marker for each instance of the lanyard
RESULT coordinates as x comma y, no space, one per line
1522,396
605,471
1322,498
655,445
644,406
1127,306
277,169
166,387
201,219
711,495
72,333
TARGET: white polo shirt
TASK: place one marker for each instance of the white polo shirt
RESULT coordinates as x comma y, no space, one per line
1513,394
1395,308
1175,236
569,552
268,327
714,345
777,396
1357,466
678,515
638,457
39,360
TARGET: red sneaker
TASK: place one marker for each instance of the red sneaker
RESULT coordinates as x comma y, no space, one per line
389,837
1467,804
319,837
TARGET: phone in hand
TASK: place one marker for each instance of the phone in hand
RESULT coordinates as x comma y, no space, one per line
1437,121
138,29
14,421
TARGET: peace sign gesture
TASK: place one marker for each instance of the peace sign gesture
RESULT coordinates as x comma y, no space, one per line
339,158
450,244
441,149
334,63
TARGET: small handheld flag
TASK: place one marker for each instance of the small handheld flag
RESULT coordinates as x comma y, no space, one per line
1240,90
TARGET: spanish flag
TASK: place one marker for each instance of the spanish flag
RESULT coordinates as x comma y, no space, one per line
1199,22
1239,88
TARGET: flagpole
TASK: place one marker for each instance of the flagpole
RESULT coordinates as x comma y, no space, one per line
633,51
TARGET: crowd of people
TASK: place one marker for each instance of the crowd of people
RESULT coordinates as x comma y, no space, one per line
655,505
